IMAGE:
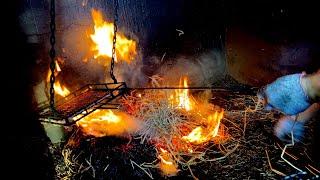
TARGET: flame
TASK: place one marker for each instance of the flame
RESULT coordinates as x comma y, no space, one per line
105,122
61,90
167,165
165,154
57,71
200,135
214,122
58,88
196,136
103,40
181,97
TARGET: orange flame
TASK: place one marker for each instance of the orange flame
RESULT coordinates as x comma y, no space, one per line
61,90
181,97
167,165
57,71
214,122
105,122
196,136
103,40
58,88
199,135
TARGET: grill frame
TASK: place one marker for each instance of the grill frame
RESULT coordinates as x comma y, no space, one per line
79,104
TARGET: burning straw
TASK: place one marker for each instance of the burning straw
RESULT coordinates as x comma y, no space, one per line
181,128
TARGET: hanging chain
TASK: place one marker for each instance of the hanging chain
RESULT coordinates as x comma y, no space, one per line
52,53
114,40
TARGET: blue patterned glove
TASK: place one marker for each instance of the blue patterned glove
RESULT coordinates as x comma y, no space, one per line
285,94
285,125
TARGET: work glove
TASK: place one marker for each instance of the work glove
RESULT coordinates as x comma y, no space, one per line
285,94
287,124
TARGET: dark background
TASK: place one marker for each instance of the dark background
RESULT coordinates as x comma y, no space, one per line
205,23
26,154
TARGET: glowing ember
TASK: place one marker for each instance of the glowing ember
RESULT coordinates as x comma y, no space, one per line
105,122
199,135
181,97
167,165
103,40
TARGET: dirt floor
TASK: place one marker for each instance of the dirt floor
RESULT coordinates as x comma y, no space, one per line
257,150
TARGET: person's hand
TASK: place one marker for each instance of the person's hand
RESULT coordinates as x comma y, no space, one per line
287,124
285,94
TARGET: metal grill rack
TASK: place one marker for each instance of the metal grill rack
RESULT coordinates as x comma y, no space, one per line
82,102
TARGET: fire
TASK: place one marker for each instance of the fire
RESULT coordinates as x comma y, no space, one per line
196,136
58,88
57,71
214,122
105,122
181,97
103,40
167,165
200,135
61,90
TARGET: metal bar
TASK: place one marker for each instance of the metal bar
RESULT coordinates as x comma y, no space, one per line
104,84
107,108
160,88
52,121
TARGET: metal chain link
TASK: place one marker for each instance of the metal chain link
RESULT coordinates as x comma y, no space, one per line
52,53
114,40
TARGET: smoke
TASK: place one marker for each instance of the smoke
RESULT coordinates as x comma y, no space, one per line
74,45
203,70
81,68
131,73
